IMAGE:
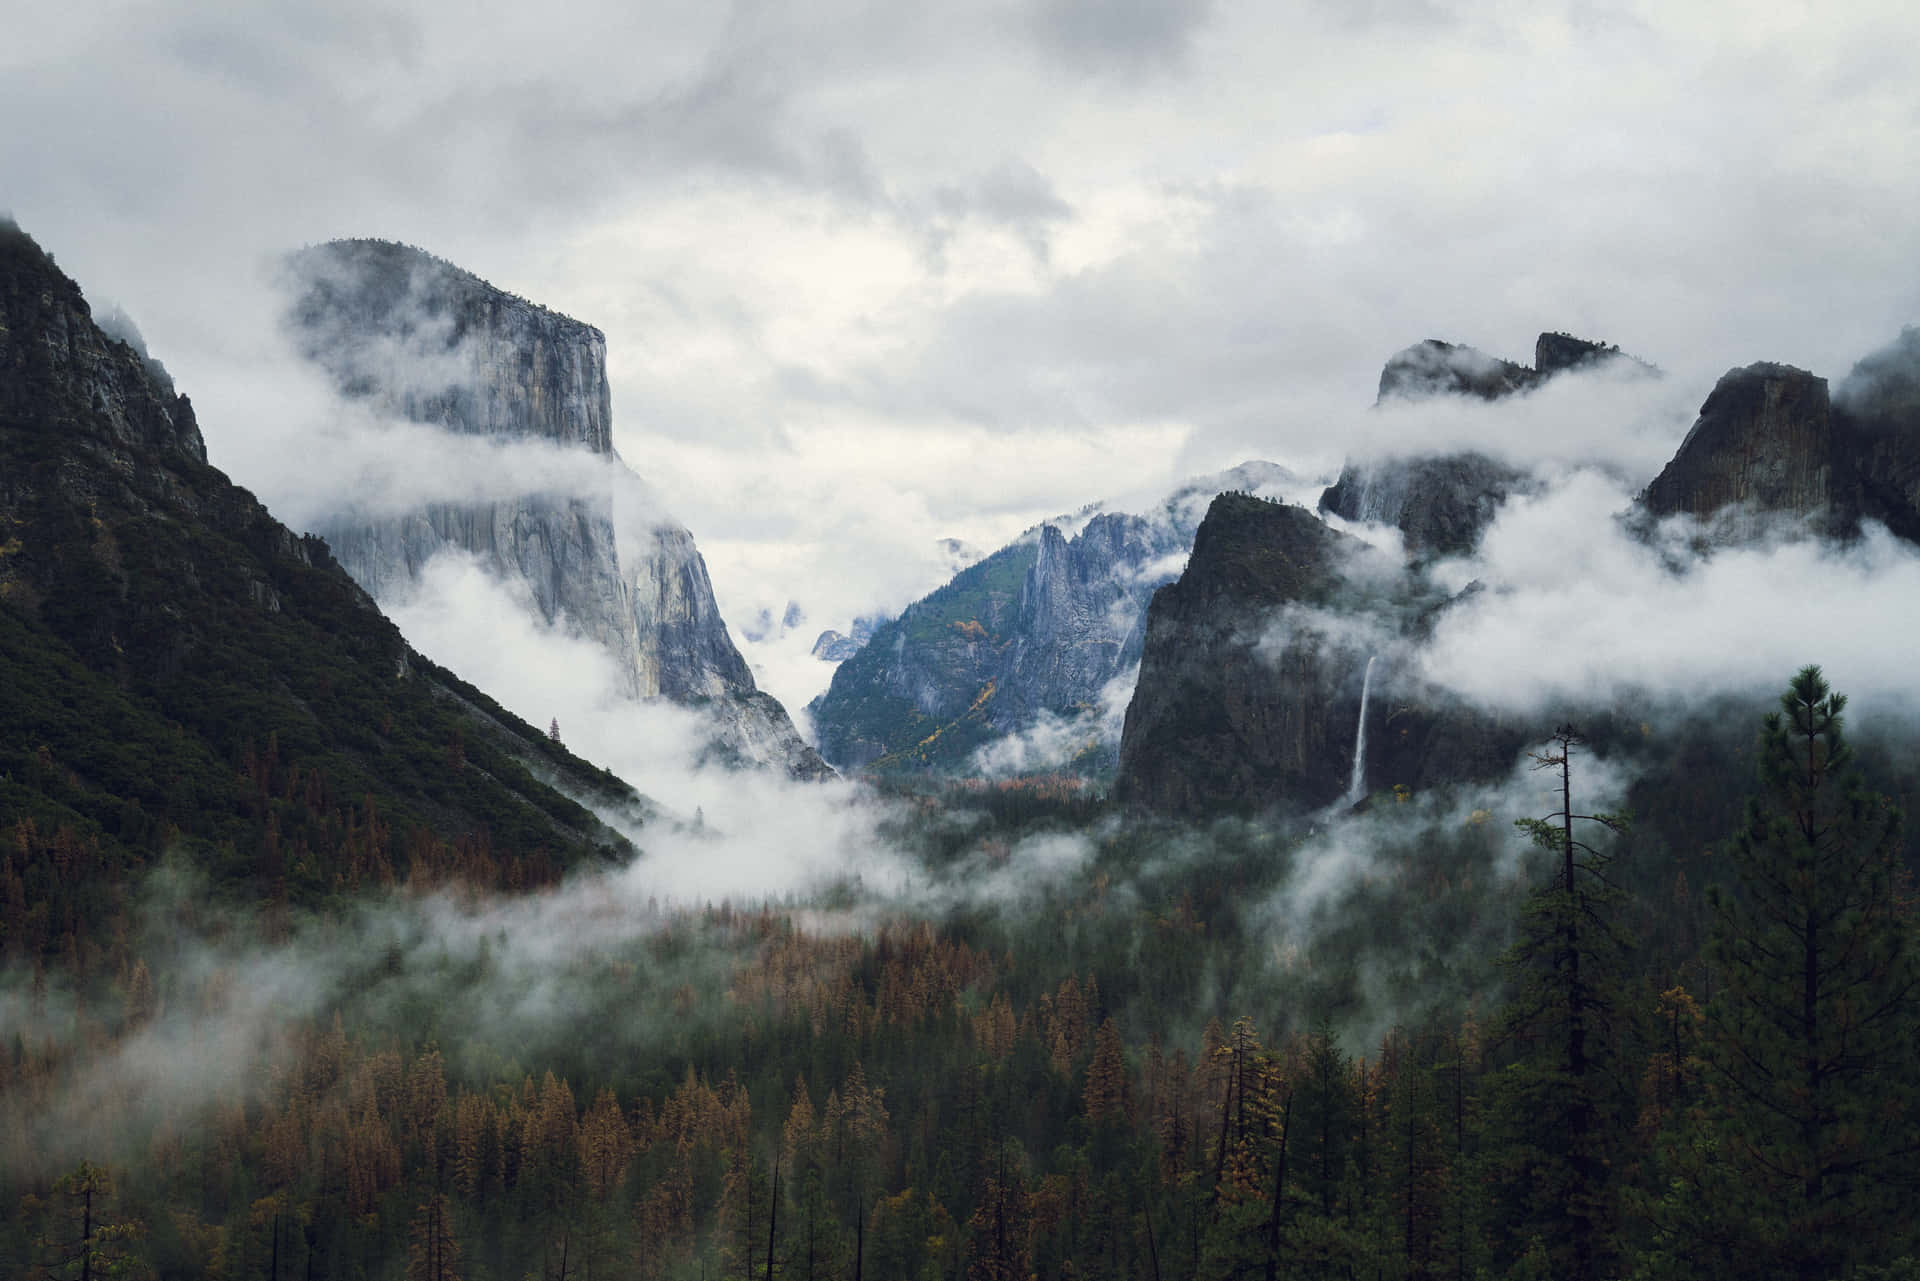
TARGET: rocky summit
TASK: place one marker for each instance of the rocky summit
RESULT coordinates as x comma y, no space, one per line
419,339
1773,451
1442,503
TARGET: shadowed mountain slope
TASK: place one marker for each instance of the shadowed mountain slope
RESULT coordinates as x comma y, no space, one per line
180,673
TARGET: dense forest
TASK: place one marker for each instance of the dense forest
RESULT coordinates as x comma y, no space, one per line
1417,1040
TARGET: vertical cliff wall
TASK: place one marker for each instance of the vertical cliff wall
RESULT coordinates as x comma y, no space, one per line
1772,449
1254,668
418,339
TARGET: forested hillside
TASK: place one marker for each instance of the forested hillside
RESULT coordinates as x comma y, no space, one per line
181,675
1194,1055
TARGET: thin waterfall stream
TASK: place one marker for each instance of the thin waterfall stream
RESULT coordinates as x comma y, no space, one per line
1357,787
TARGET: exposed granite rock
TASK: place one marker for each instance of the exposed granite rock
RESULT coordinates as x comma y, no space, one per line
1441,503
1251,676
1763,447
159,595
1436,368
423,340
834,647
1772,451
837,647
1877,413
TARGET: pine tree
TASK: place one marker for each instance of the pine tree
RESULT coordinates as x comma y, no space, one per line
1810,1044
82,1238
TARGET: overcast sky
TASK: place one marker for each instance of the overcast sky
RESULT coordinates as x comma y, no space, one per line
873,274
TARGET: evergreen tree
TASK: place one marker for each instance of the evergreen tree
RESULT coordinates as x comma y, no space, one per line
1810,1043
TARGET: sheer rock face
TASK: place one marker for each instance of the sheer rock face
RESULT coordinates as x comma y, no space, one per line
1252,671
1877,407
428,342
1762,447
1772,449
1216,724
180,596
422,340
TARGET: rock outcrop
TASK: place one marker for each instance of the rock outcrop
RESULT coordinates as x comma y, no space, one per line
419,339
1878,409
1035,634
1763,447
1442,503
1252,674
1773,452
1436,368
194,677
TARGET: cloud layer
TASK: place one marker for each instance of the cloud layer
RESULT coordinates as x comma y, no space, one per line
880,273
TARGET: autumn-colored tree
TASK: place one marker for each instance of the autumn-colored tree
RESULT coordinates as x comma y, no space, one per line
1107,1094
434,1254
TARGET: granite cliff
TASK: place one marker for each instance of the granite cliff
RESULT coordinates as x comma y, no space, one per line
1252,675
1773,449
1442,503
418,339
179,672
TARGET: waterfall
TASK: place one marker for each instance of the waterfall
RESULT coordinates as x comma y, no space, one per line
1357,789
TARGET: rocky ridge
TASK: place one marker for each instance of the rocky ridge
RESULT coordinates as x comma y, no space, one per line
1442,503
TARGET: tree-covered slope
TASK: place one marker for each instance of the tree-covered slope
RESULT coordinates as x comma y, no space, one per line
181,673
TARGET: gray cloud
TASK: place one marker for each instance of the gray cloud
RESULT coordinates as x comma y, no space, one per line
1128,38
848,256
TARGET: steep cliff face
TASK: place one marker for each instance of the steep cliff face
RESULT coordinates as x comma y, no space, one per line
1252,676
419,339
1762,447
1773,451
179,670
1036,634
428,342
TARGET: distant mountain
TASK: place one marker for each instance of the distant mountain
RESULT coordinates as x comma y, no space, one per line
837,647
1032,638
423,340
181,674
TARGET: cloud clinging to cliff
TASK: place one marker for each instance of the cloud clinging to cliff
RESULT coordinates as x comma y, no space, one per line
915,232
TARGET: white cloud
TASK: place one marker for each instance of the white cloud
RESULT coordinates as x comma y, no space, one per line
1577,609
